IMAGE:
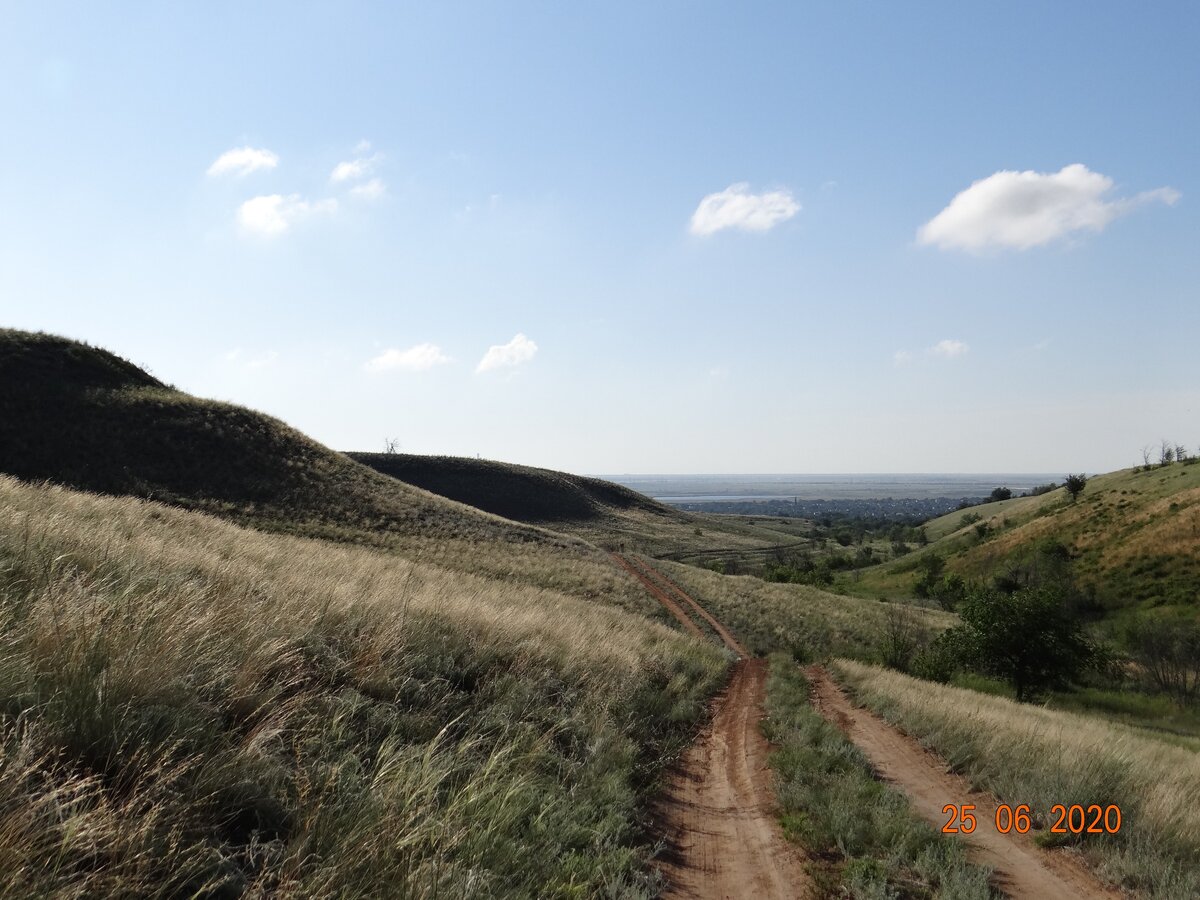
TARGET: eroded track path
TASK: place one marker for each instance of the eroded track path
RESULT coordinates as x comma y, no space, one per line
1022,869
721,838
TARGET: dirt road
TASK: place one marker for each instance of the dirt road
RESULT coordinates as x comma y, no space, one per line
720,836
672,588
1022,869
720,833
658,593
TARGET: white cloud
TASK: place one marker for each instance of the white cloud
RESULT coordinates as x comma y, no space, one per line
517,351
370,190
242,161
736,207
363,146
1028,209
414,359
949,349
273,214
902,357
354,169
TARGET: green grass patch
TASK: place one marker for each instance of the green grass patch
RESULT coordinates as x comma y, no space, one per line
863,838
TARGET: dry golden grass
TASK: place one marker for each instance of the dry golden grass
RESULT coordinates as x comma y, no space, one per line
799,619
190,708
1028,754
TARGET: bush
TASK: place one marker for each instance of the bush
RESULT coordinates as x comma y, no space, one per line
1027,637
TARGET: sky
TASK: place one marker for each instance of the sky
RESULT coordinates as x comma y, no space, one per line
627,237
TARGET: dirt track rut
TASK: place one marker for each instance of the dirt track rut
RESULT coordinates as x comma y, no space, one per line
1022,869
720,836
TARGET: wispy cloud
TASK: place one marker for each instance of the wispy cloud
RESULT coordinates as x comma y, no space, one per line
242,161
516,352
369,190
902,357
355,169
239,357
736,207
272,214
1028,209
949,349
415,359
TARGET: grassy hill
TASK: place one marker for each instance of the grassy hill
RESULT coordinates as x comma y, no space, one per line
80,416
189,708
599,511
1133,536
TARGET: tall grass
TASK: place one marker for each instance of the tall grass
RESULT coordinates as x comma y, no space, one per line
862,836
802,620
1027,754
189,708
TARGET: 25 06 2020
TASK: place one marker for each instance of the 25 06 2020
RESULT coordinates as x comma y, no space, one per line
1073,819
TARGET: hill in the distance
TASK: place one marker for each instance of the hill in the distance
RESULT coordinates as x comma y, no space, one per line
79,416
600,511
1133,537
521,493
82,417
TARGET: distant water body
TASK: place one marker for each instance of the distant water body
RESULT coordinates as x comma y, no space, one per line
716,488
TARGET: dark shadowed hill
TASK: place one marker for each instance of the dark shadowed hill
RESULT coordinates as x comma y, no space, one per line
607,514
80,416
523,493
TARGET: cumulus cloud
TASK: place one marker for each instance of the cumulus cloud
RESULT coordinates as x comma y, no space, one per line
369,190
736,207
273,214
517,351
242,161
414,359
949,349
1028,209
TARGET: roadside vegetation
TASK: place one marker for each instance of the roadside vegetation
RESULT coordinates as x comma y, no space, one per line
190,708
1028,754
804,621
862,838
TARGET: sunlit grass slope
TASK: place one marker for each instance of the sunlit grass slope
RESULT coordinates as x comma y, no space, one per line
1135,537
794,618
191,708
599,511
1027,754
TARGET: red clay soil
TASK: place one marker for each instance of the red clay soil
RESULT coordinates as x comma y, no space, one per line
659,594
721,838
1022,869
672,588
717,814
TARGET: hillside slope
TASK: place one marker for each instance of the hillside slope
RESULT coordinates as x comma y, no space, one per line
82,417
522,493
189,708
599,511
1133,536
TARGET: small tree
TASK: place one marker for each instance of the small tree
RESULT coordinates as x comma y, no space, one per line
391,446
1169,653
1027,638
903,637
1146,457
1166,453
1075,485
1001,493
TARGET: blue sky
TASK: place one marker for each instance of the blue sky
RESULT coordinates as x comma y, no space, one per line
847,237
